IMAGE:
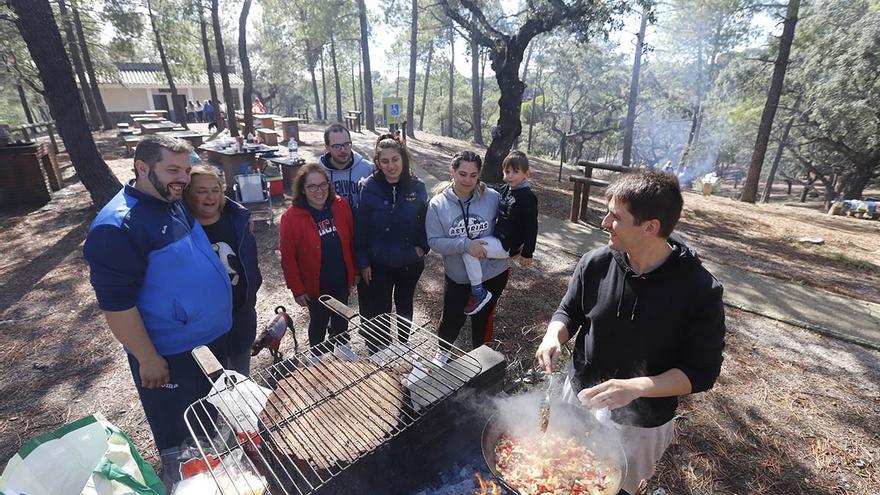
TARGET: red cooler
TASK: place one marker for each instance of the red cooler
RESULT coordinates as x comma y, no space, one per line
276,185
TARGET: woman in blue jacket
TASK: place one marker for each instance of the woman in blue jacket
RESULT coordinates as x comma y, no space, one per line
229,228
390,240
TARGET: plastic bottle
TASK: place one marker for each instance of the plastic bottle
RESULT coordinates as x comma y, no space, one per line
292,148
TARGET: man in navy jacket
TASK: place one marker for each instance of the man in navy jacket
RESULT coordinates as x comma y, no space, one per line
161,287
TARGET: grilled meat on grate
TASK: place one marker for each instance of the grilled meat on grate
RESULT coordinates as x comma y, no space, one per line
333,411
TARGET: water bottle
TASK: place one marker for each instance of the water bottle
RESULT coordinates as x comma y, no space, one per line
292,148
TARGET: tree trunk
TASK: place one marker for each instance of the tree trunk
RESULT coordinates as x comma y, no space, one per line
413,59
368,75
633,95
90,69
72,45
505,62
425,90
765,197
696,111
37,26
212,86
24,104
854,183
397,82
476,98
224,71
354,91
451,81
311,62
246,76
483,58
324,84
336,78
361,86
532,110
525,73
179,110
750,188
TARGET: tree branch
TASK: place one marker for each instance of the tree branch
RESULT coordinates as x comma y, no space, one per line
482,36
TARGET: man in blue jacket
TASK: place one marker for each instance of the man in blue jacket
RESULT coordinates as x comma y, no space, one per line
161,287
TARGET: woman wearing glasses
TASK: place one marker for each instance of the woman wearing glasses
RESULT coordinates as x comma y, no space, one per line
390,234
317,257
459,215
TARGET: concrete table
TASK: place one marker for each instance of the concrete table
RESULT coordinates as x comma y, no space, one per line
230,161
153,128
289,128
267,120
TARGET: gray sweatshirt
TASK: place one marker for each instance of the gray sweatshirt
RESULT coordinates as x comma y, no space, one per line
445,225
346,181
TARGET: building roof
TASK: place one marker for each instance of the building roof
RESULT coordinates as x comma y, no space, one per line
151,74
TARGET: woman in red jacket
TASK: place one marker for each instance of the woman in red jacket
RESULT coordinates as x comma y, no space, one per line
317,255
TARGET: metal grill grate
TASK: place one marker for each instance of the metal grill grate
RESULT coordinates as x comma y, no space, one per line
323,414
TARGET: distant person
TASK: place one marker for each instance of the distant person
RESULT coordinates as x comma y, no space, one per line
647,319
516,228
208,110
230,229
200,111
190,111
258,107
317,256
460,215
390,234
161,287
347,169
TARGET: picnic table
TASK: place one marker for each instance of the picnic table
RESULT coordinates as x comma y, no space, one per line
141,121
267,120
158,113
290,128
155,127
231,161
353,120
196,139
288,165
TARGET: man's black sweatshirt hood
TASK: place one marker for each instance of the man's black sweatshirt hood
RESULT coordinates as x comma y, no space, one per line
630,325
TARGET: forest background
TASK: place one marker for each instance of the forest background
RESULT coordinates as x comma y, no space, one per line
703,74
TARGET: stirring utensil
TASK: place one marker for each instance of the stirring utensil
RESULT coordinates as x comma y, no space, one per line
544,419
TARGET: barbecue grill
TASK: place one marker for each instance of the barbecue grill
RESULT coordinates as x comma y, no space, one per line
311,418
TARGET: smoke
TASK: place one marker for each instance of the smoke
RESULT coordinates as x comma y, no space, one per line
519,416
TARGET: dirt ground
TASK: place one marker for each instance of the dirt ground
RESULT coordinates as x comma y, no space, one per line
792,413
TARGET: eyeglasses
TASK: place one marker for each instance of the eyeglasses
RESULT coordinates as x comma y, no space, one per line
342,146
313,188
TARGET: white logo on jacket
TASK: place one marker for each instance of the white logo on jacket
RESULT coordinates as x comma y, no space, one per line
476,226
227,255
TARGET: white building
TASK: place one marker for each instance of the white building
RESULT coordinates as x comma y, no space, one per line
142,86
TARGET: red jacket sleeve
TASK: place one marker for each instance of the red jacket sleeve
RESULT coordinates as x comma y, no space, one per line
287,244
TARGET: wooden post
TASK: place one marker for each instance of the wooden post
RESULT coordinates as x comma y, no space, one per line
51,128
576,203
585,199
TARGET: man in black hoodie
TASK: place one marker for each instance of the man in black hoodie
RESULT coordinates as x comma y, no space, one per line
648,320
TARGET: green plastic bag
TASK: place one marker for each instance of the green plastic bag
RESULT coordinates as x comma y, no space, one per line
89,456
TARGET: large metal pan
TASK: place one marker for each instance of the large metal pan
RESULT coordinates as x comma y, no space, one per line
566,419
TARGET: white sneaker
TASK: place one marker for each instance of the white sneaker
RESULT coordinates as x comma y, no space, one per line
440,359
345,353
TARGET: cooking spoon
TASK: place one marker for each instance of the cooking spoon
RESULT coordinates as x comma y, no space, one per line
544,419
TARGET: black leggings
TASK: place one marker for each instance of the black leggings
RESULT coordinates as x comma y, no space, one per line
397,284
455,298
319,315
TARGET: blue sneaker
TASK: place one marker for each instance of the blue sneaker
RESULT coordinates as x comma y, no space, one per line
476,303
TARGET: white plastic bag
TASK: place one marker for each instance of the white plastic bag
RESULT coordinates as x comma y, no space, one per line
239,400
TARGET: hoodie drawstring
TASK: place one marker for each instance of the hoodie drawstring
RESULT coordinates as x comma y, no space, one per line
632,315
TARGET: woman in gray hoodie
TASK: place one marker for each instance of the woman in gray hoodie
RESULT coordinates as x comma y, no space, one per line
459,215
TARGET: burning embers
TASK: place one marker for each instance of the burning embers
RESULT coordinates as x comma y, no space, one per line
486,487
